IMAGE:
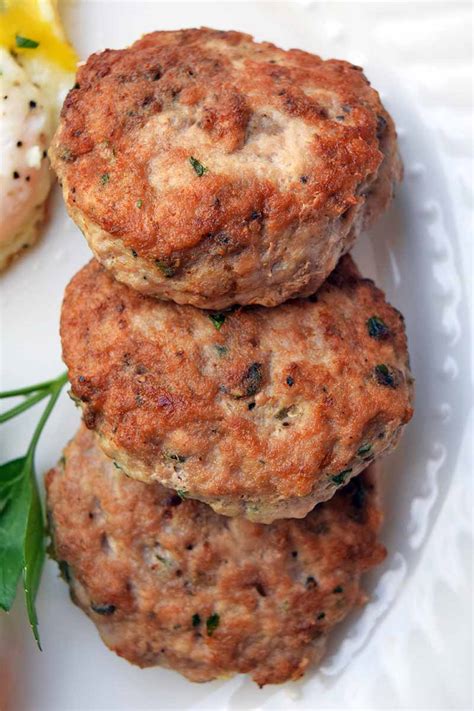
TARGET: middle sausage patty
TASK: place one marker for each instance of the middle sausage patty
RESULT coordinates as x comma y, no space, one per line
257,412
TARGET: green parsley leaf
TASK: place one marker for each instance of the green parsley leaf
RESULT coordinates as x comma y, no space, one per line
212,623
22,543
365,449
25,42
199,168
139,204
14,502
181,493
21,535
104,179
196,619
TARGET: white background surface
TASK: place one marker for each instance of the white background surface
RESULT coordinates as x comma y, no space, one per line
411,646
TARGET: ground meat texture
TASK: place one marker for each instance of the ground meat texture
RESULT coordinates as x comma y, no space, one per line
171,583
208,169
201,401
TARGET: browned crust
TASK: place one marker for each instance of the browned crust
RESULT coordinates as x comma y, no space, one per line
278,589
213,413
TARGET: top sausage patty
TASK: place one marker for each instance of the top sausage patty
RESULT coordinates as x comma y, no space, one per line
208,169
260,412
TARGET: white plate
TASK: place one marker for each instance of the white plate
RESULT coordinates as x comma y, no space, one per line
410,647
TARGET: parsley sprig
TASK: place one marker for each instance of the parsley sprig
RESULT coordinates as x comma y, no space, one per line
22,539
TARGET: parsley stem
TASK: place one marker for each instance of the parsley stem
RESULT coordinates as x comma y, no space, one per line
47,384
55,392
25,405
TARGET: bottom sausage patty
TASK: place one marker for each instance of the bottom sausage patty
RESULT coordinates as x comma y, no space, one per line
169,582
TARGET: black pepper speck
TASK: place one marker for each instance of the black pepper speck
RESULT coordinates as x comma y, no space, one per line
103,609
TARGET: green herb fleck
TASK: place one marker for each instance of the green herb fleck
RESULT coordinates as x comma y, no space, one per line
104,178
250,382
66,154
283,413
377,328
182,493
321,616
196,619
212,623
217,319
172,457
134,254
165,268
164,560
25,42
365,449
64,571
339,479
103,609
199,168
139,204
338,589
117,466
384,377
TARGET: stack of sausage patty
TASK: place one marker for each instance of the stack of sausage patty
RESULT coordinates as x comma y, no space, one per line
237,375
